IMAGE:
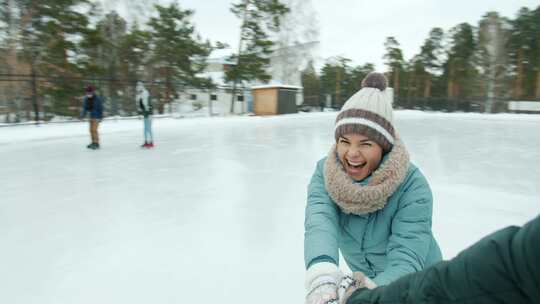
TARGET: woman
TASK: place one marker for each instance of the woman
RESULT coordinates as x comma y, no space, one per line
367,200
145,108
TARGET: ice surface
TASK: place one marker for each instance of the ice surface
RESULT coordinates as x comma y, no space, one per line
214,214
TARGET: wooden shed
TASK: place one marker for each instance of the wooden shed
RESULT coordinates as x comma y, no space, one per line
274,99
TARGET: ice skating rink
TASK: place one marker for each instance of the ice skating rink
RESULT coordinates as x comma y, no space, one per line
214,213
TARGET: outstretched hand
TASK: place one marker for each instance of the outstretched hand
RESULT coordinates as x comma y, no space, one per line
322,280
351,283
325,293
326,284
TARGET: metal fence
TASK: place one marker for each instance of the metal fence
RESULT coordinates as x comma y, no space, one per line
441,104
43,98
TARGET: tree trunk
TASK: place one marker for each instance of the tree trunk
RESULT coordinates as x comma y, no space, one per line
34,95
235,81
233,96
167,93
518,85
396,83
410,86
450,89
427,86
490,90
537,94
338,88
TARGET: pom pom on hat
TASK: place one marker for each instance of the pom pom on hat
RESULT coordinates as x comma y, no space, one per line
369,112
375,80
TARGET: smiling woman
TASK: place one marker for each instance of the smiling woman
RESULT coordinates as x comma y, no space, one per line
366,200
359,155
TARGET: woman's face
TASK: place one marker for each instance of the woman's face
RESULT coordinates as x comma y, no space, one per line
359,155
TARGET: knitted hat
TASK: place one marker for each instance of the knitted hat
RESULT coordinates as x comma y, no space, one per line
89,89
369,112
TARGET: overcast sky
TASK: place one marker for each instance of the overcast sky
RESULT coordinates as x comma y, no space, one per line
357,29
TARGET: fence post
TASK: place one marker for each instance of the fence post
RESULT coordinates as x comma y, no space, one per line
210,104
34,95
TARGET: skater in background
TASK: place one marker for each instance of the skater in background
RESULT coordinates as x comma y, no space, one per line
503,267
93,104
366,200
145,108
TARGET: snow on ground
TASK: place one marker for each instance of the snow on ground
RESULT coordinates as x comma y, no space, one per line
215,212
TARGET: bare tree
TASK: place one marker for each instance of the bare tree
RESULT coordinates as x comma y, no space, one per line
493,37
295,43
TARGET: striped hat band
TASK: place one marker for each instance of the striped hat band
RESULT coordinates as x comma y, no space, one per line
370,124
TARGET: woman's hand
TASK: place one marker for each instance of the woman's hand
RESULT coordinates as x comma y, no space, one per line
324,291
322,280
350,283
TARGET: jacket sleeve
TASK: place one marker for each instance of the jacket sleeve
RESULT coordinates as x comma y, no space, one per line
145,101
142,101
321,221
501,268
99,106
411,237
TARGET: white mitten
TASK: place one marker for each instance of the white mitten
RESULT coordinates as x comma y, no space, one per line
322,280
352,282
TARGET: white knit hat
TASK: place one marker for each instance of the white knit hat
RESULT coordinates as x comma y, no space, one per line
369,112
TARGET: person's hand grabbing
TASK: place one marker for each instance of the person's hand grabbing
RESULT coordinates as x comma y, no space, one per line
351,283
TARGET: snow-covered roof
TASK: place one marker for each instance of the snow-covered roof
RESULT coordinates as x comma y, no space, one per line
221,56
217,77
270,86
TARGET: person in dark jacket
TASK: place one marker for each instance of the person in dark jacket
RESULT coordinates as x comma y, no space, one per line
503,267
92,104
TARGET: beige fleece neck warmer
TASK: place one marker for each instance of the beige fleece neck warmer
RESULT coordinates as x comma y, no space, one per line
355,198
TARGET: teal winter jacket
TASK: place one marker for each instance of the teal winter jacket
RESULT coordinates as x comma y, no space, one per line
385,244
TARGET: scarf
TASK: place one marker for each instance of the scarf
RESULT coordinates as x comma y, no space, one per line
356,198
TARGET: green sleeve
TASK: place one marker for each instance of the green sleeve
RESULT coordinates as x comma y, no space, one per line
501,268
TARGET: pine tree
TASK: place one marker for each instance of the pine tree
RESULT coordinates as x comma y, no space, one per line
335,79
312,86
353,80
12,93
112,30
135,50
460,65
523,50
535,48
394,60
431,58
178,54
259,17
48,30
133,65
